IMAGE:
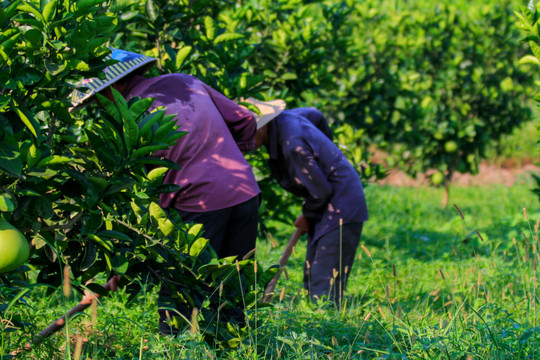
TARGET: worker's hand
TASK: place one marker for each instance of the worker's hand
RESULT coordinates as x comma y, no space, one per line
302,223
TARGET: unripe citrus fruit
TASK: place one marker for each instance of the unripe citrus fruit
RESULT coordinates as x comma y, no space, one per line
14,249
450,146
437,178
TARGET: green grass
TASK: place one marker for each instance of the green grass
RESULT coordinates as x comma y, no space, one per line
427,284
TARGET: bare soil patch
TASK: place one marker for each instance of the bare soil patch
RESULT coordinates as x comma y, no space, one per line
507,174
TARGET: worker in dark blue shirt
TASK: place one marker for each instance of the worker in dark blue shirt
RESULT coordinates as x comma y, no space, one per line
304,161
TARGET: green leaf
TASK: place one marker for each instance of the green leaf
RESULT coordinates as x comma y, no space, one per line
4,101
195,230
145,150
85,4
55,68
156,173
268,275
210,26
120,102
113,234
30,9
10,160
6,47
157,161
131,133
35,37
140,107
90,256
181,55
3,17
289,76
6,205
120,264
80,65
54,160
119,186
49,10
167,227
215,270
150,8
148,122
156,212
106,23
159,216
227,37
107,244
163,131
137,210
535,48
96,288
28,192
110,107
198,247
39,241
28,119
529,59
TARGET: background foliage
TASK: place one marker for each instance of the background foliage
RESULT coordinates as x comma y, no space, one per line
434,85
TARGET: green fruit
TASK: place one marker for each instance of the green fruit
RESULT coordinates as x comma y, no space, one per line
14,249
450,146
437,178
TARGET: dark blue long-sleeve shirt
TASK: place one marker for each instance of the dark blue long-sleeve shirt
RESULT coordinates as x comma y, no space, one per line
307,163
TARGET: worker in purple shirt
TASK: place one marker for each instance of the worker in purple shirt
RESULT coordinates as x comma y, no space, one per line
217,186
305,162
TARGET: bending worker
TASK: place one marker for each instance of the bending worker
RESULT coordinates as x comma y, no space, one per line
305,162
217,186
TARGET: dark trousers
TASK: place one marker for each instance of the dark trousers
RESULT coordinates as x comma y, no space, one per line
231,231
329,261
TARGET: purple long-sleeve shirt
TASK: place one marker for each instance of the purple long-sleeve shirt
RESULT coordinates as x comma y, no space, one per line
307,163
214,173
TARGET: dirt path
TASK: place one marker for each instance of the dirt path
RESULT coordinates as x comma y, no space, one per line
489,174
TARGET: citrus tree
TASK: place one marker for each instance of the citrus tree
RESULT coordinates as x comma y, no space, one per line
458,89
82,188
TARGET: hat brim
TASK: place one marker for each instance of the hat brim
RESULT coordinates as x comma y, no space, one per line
268,110
114,73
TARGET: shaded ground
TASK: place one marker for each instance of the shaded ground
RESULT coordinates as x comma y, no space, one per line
506,174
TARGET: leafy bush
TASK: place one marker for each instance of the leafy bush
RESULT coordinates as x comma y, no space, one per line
528,23
84,187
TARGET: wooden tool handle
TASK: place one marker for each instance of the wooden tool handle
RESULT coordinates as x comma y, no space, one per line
81,306
283,261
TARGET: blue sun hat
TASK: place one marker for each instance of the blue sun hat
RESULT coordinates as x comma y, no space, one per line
128,62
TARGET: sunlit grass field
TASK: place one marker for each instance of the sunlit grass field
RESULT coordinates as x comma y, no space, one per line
428,283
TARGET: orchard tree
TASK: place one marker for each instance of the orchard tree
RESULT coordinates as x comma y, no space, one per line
462,89
79,187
